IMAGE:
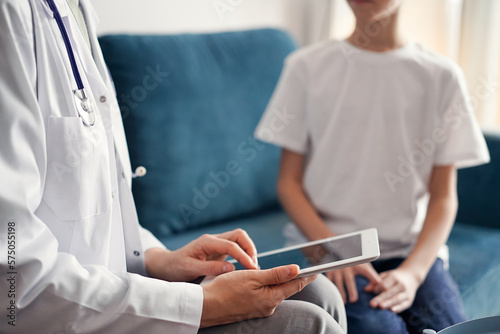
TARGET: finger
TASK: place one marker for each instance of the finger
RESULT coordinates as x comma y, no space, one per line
241,237
394,301
350,283
339,282
403,306
214,244
214,268
375,279
290,288
277,275
370,287
375,288
385,296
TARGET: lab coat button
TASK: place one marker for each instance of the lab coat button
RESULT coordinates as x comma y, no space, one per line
112,194
136,253
103,99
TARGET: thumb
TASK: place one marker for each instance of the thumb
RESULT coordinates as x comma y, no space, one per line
279,275
215,268
372,287
375,286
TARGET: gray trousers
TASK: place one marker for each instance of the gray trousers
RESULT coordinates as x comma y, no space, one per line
318,309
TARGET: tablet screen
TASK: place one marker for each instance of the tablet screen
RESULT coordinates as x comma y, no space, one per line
331,251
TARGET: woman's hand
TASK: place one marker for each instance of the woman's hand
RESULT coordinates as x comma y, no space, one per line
202,257
345,282
400,286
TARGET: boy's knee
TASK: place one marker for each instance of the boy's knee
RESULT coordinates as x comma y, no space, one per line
362,318
377,322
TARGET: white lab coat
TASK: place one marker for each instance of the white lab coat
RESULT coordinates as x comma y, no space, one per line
66,188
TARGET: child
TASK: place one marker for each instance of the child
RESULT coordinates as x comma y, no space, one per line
373,129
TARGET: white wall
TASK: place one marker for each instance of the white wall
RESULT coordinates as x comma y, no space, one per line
177,16
439,24
434,23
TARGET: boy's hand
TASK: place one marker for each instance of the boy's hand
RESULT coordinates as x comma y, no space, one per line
400,287
345,282
248,294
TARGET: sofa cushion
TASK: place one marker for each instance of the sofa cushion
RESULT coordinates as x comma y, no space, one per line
475,265
190,104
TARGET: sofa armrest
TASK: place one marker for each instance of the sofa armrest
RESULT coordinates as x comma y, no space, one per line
479,189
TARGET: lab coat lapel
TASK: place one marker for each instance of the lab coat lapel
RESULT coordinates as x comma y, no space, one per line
118,132
58,61
92,21
133,244
83,57
95,77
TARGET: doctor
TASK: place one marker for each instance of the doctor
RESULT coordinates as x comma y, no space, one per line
73,257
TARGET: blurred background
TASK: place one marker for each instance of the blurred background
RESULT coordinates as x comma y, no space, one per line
467,31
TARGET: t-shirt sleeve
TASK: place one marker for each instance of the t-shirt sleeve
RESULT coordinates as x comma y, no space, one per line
461,142
283,122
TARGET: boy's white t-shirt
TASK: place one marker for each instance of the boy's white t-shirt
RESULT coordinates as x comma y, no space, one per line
372,126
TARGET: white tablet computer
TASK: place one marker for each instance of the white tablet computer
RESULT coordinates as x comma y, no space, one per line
324,255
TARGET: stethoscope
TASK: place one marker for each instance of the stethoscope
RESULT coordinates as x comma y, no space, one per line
80,92
85,104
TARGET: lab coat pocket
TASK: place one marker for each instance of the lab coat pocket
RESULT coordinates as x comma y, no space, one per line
78,182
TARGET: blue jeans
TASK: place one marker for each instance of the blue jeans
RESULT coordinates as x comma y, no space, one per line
437,305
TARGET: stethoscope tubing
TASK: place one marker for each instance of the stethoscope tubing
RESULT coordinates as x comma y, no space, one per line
85,104
67,43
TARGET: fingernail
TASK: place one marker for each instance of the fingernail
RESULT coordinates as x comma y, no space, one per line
227,268
256,261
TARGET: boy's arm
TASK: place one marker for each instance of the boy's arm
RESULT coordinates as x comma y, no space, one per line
401,284
294,199
441,215
302,212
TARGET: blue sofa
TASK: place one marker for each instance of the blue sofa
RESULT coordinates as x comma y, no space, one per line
190,104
